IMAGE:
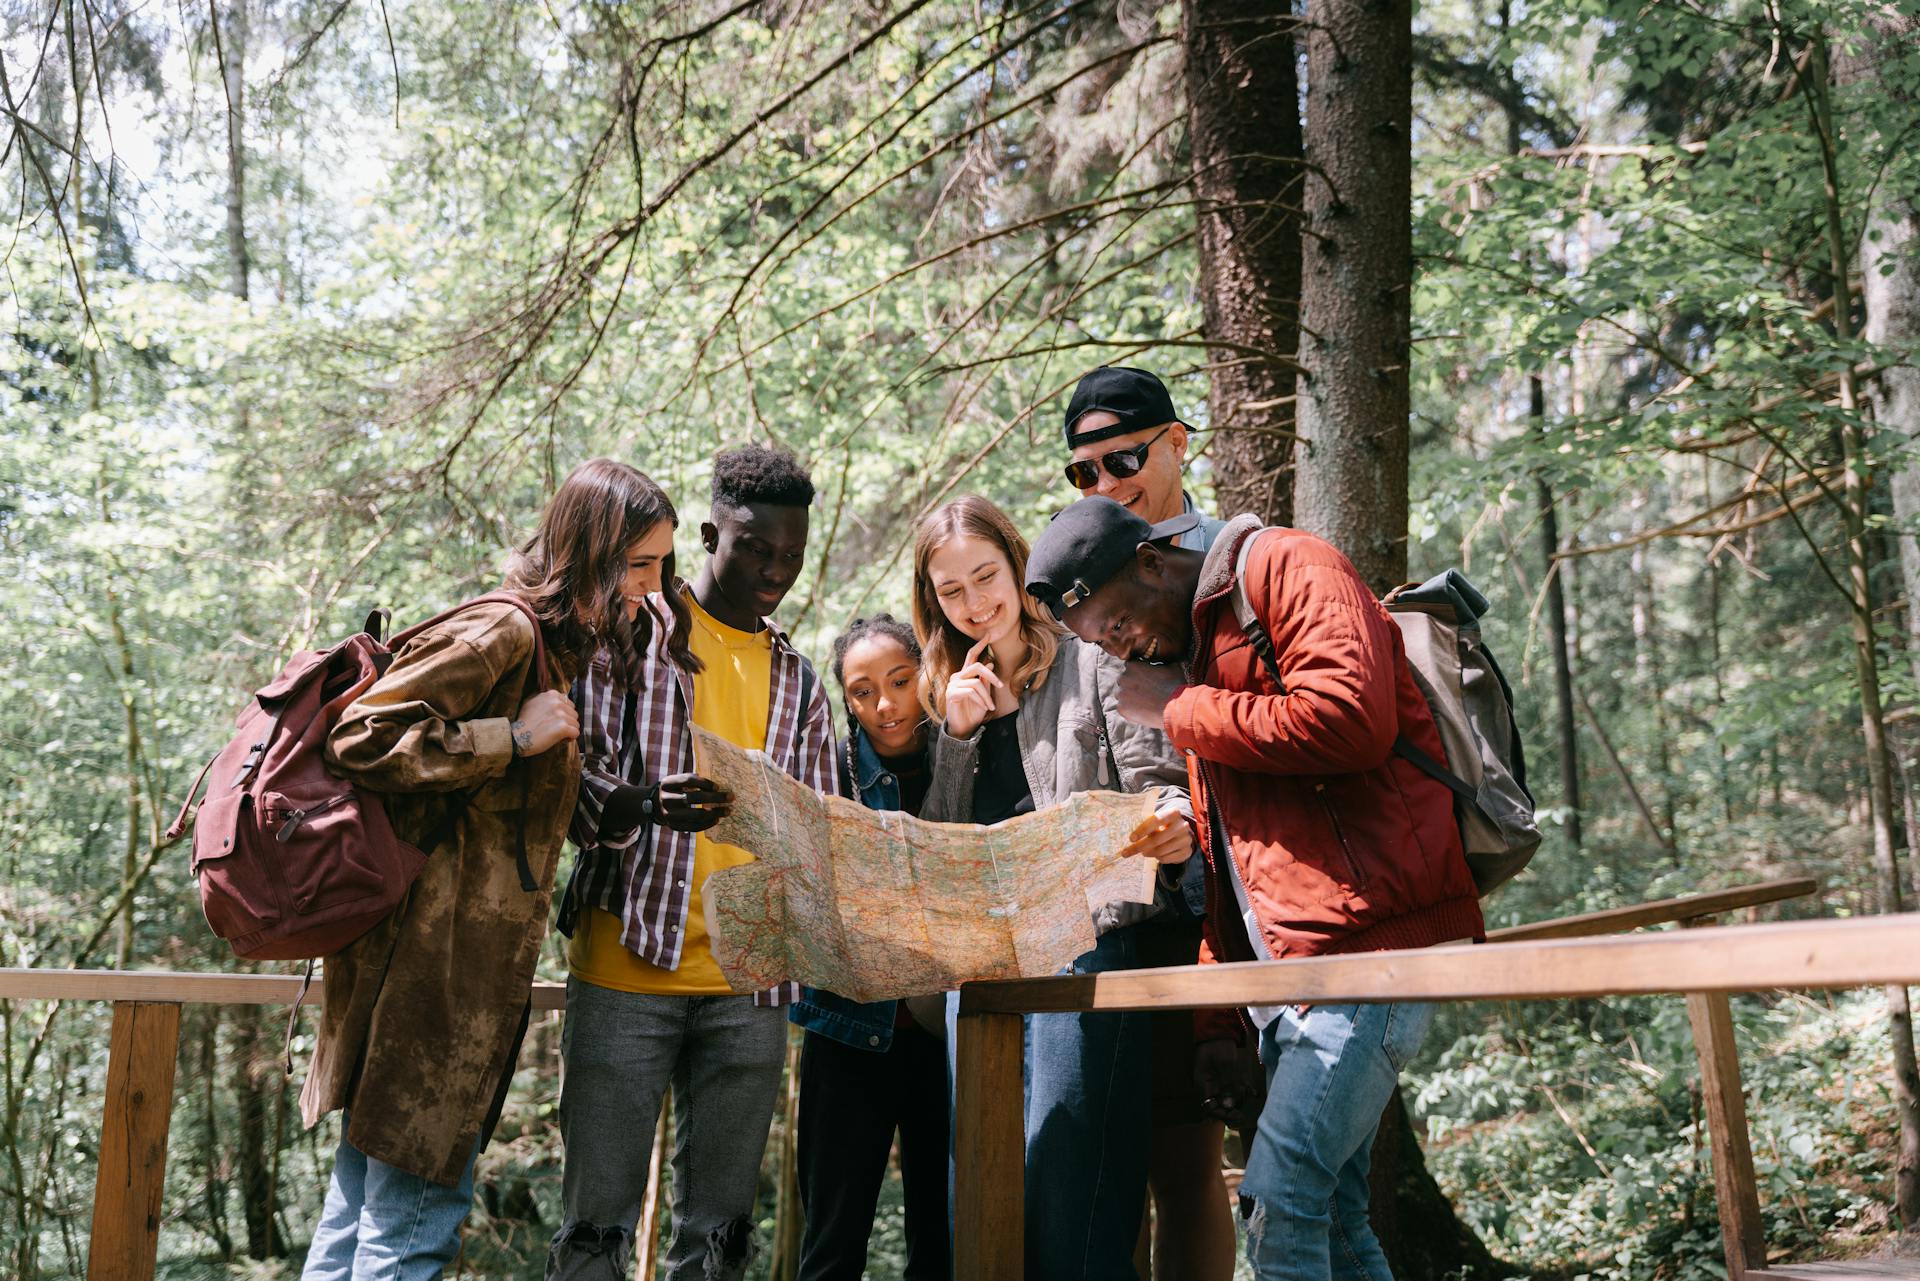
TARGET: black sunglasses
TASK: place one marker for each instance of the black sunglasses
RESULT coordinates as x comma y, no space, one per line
1120,464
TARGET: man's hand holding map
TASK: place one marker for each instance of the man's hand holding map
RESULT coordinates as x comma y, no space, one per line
873,904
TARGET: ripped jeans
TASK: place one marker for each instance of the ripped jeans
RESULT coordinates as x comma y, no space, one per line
1330,1073
723,1057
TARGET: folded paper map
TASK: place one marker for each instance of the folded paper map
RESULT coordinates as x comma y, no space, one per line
873,905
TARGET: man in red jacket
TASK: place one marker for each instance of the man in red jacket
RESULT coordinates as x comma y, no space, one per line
1318,839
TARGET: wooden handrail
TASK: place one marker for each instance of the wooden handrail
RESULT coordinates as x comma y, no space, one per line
1666,911
1738,958
1541,960
181,987
1704,965
189,988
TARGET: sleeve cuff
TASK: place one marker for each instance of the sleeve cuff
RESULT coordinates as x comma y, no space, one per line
492,743
618,838
969,745
1176,718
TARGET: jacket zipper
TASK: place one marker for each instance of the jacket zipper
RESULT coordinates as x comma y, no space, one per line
296,817
1340,834
1241,895
1223,852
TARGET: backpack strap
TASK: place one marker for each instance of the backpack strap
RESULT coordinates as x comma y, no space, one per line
1256,634
1403,748
806,691
1250,625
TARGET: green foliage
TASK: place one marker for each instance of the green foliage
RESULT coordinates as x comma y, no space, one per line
455,296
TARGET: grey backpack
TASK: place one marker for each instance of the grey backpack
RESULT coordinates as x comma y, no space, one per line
1472,707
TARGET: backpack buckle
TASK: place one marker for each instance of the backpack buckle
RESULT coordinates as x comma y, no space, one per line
252,763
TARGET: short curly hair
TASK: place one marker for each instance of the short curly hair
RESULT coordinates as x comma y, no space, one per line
759,474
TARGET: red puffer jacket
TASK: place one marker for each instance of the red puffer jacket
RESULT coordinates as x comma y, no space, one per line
1342,846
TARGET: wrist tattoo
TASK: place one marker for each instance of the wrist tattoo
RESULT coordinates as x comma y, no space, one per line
522,739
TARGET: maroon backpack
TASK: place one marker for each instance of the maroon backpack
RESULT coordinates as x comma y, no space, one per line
293,861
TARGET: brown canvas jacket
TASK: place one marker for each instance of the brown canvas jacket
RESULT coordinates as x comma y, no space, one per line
422,1017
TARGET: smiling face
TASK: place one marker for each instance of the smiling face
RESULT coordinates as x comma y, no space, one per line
881,682
975,586
756,553
647,559
1153,493
1141,614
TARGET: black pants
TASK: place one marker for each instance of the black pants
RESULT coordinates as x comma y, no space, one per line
851,1102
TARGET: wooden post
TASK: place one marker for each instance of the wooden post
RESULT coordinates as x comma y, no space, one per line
133,1142
1725,1104
989,1150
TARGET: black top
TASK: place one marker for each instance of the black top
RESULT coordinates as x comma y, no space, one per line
1000,789
913,776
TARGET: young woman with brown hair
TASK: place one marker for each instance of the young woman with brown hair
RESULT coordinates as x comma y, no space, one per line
1027,717
466,739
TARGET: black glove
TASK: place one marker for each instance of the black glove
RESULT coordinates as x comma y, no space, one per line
683,802
690,803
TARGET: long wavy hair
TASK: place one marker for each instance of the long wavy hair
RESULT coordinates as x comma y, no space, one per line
944,646
574,567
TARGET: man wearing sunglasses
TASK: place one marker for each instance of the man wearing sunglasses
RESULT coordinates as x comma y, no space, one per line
1128,444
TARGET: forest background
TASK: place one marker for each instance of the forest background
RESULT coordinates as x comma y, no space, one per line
309,303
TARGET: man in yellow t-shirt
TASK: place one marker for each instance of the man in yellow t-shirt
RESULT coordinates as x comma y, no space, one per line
646,1003
730,695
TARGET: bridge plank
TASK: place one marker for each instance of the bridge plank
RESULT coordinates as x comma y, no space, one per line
1861,952
125,1239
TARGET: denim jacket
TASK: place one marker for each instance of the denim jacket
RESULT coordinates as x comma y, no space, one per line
868,1025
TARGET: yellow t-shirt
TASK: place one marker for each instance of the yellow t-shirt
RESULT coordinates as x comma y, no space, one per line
731,692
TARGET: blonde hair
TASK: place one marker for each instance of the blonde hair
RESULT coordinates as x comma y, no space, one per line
945,646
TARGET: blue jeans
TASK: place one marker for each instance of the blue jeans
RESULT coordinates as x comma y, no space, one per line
383,1224
1089,1087
1330,1073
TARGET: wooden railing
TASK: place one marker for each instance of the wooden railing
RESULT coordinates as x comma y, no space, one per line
1704,966
1545,960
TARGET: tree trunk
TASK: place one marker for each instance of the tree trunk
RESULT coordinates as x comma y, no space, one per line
1244,128
1423,1238
1564,722
1857,500
213,1187
1653,685
1351,484
1890,270
255,1063
232,46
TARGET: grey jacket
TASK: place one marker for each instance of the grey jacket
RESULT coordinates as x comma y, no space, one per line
1060,729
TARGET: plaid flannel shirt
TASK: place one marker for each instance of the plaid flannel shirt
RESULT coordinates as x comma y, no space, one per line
642,875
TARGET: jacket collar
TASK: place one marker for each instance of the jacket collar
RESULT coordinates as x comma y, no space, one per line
1216,577
865,760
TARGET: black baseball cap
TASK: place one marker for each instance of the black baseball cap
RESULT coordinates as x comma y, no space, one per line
1087,544
1136,397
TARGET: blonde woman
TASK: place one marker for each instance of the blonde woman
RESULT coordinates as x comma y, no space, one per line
1026,717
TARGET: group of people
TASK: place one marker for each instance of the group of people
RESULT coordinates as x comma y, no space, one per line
1109,655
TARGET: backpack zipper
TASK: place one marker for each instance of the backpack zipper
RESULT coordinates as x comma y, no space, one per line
296,817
